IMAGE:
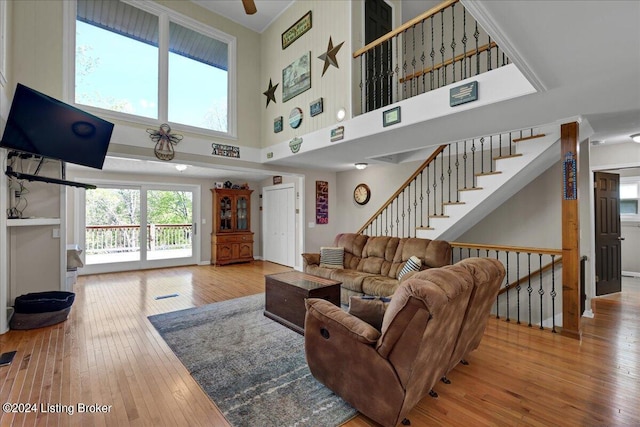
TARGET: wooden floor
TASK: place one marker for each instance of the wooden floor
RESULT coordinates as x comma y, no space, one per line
107,353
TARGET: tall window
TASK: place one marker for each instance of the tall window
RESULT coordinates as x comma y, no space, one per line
144,60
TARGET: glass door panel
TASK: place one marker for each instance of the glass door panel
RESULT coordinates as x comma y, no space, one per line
169,224
225,214
242,213
112,218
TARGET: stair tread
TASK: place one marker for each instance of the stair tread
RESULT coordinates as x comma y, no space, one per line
507,157
470,189
489,173
453,203
438,216
526,138
425,228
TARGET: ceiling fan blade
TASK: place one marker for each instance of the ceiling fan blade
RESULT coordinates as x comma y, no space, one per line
249,7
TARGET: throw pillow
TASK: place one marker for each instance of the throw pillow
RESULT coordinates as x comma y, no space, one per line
331,257
369,309
412,264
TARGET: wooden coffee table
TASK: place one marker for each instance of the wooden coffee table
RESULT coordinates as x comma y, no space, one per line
285,294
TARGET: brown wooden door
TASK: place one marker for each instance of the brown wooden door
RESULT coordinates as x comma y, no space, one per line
608,240
378,23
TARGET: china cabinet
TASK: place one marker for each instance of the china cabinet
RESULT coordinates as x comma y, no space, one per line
231,238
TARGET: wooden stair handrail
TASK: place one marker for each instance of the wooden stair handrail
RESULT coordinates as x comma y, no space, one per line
433,155
448,62
405,26
505,248
545,268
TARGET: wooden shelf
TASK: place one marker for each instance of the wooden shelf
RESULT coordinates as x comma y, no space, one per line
27,222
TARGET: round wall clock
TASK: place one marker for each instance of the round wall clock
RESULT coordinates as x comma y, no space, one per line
295,118
361,194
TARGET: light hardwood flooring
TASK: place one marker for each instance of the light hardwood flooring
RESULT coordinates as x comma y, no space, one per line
107,353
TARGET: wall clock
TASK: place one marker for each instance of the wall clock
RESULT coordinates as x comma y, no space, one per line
361,194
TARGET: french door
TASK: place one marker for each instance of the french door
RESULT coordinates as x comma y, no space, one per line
130,227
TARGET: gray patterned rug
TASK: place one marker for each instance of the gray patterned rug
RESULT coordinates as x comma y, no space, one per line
253,368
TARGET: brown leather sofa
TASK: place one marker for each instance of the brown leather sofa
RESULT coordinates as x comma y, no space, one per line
385,373
371,264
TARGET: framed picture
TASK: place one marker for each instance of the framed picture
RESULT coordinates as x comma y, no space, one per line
277,180
296,78
292,34
322,202
316,107
277,124
391,116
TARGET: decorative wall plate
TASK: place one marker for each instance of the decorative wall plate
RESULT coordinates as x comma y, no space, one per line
295,118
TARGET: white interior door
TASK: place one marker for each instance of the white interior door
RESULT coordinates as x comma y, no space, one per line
279,224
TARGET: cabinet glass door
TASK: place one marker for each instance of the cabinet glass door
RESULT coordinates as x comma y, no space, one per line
242,213
225,214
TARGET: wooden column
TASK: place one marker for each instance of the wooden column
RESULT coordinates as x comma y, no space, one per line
570,232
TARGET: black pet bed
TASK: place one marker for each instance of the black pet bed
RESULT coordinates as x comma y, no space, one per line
40,309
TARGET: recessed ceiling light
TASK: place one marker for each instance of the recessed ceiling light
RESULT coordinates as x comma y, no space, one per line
181,167
361,166
636,137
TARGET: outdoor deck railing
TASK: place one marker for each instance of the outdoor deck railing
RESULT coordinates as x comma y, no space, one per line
109,239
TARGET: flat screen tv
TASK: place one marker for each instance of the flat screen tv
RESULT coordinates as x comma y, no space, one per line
41,125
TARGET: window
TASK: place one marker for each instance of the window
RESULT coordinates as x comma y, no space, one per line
629,197
144,60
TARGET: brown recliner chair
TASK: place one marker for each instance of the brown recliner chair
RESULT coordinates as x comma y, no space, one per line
384,374
488,275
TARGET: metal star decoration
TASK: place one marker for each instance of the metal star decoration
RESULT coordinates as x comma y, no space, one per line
271,93
329,57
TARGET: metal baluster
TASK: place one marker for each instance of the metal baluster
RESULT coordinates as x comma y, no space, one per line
386,221
442,181
510,144
413,61
404,64
491,153
421,201
403,214
457,175
464,41
373,79
442,51
397,71
432,54
435,191
363,92
541,292
507,286
391,226
397,217
476,34
453,41
553,293
422,58
473,163
464,162
529,288
489,56
500,146
449,172
482,155
428,198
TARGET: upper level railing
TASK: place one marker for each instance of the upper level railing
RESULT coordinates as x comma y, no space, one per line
108,239
439,181
439,47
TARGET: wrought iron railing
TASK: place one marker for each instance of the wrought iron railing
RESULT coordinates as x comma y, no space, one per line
439,47
108,239
532,290
439,181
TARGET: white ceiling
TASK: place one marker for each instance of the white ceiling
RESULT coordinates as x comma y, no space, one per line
268,11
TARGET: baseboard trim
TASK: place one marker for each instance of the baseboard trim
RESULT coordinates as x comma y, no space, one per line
630,274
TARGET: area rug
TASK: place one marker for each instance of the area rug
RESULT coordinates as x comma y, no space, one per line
253,368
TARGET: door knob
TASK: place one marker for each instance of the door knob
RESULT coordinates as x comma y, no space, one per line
620,238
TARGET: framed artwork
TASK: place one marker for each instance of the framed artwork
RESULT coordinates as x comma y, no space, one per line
322,202
391,117
292,34
277,179
316,107
277,124
296,78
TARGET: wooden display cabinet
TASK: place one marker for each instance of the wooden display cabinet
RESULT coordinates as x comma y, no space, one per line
231,238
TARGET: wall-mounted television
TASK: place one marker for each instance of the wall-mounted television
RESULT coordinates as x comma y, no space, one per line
44,126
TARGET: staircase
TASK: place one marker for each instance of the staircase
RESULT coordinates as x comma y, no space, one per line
464,181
